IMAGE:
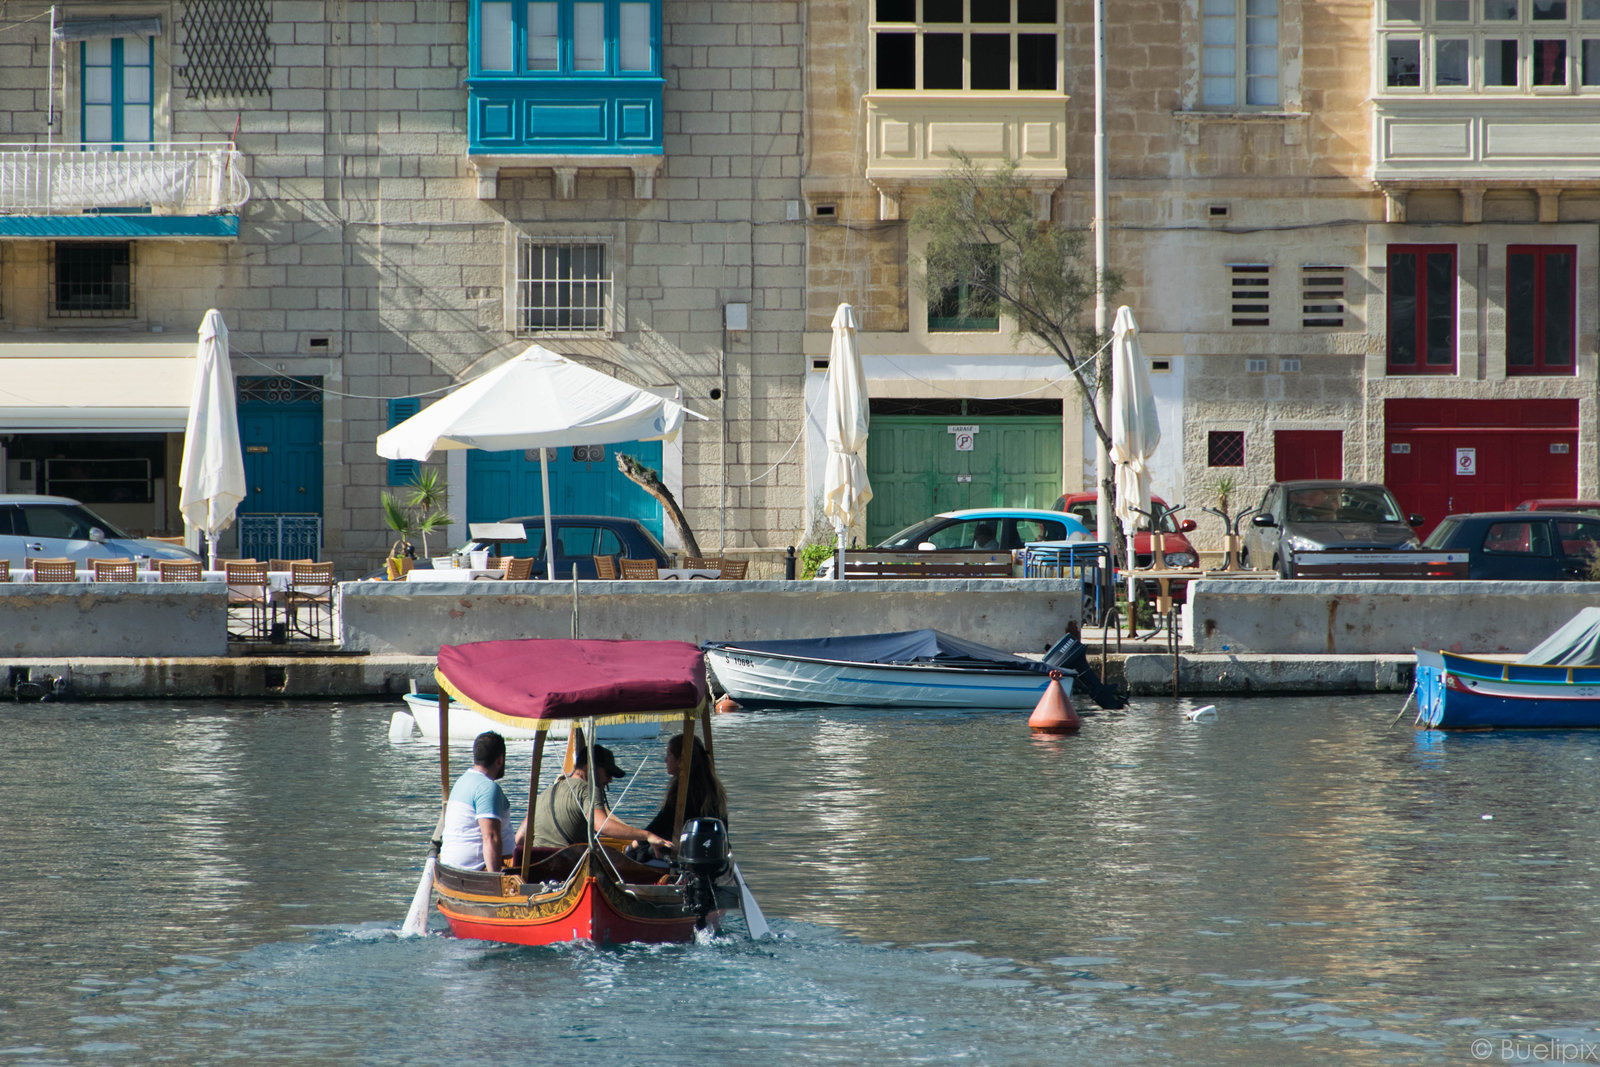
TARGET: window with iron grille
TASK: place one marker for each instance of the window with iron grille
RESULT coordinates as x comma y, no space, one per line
1322,299
1249,294
91,279
1225,448
564,287
227,47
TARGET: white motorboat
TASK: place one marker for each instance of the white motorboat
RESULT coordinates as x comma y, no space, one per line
914,668
466,724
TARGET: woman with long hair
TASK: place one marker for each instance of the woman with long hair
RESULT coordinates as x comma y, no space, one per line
706,796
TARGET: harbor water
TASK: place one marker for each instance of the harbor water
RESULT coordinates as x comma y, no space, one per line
1294,882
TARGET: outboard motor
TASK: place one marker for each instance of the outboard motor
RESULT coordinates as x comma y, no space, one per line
701,857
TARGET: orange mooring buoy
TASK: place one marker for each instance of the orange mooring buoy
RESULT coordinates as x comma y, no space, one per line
727,703
1053,714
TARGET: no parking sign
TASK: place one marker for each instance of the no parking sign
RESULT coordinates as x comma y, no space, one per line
1466,461
964,435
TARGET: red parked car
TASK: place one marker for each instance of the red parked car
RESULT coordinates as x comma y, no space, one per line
1175,546
1587,507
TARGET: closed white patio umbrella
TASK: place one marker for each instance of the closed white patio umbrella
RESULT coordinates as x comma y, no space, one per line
1135,430
211,476
846,490
537,400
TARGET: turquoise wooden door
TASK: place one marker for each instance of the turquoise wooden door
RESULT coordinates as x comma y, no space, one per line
280,428
583,481
917,469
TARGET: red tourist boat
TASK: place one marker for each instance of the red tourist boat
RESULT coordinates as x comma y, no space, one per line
590,890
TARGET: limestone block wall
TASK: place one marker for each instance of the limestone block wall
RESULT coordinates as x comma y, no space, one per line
366,259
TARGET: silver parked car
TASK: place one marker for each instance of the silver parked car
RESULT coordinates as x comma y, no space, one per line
55,527
1314,516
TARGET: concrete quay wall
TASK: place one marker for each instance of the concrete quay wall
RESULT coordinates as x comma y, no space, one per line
113,619
1322,618
1021,614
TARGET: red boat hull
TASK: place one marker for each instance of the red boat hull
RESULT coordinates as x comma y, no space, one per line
591,905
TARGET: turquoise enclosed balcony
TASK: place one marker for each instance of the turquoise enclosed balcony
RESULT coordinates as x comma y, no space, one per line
565,85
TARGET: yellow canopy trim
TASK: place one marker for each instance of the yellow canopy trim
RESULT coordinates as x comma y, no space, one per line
672,715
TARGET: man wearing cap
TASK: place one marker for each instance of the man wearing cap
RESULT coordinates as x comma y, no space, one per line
561,815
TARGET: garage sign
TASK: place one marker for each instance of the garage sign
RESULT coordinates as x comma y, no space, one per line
965,436
1466,461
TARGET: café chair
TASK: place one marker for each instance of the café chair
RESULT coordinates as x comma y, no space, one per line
519,570
605,568
5,570
735,568
179,570
113,570
54,570
285,564
310,588
249,600
702,563
637,569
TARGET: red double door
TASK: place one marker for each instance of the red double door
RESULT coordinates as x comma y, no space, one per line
1443,457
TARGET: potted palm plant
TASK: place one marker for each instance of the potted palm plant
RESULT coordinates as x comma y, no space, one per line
402,553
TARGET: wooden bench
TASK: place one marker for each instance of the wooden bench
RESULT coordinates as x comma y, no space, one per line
928,565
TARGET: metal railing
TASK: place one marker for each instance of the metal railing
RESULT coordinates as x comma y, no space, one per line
284,536
187,178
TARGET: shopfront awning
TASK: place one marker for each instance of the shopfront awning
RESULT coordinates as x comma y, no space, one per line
92,386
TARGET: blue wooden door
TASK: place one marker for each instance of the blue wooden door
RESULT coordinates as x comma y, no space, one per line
583,481
280,427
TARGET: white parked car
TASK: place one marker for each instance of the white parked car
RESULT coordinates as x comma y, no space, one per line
55,527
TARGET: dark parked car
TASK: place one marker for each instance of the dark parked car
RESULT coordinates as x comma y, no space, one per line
580,538
1316,516
55,527
1522,545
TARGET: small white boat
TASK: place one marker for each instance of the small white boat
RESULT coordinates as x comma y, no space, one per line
466,724
915,668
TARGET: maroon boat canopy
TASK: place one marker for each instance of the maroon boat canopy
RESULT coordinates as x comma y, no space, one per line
544,680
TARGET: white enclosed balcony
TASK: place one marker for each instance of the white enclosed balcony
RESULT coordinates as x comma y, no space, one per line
182,189
1513,140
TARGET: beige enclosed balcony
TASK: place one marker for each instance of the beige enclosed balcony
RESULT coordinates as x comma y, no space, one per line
1522,140
179,190
910,137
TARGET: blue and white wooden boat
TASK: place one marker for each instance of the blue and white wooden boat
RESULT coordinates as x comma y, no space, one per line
913,668
1556,685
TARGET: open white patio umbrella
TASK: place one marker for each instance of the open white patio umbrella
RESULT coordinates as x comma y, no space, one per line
211,476
845,488
536,400
1135,431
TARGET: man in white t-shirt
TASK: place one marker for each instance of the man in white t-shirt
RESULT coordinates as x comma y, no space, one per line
477,818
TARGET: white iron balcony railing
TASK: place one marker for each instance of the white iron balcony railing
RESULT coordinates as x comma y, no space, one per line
188,178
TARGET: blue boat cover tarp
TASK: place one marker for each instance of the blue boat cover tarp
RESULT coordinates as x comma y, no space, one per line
1575,644
908,646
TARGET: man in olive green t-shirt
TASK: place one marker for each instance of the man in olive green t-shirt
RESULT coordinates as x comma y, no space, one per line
560,818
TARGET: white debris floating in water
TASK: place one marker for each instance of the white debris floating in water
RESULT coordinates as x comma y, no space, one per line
1205,714
1487,816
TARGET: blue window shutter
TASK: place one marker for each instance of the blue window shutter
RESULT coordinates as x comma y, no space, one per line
402,471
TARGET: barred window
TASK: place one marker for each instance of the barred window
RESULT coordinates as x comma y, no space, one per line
91,279
564,287
1322,297
1249,294
1225,448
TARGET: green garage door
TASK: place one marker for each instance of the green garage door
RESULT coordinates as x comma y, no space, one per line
918,468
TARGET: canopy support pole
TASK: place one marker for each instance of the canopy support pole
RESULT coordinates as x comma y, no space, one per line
533,802
444,743
685,766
